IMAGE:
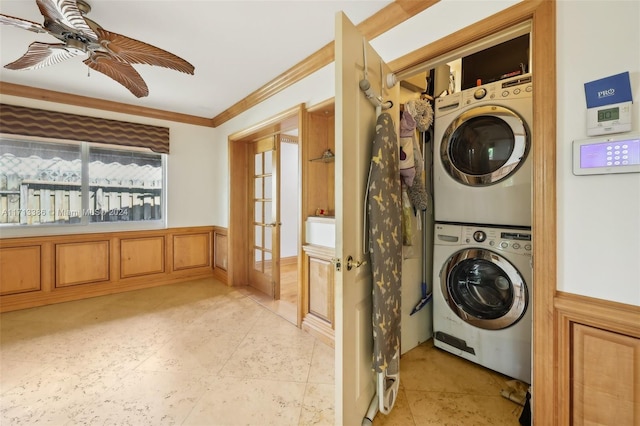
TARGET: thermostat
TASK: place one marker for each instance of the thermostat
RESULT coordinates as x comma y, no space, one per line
613,118
597,156
609,103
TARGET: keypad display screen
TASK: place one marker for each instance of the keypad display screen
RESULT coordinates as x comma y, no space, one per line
610,154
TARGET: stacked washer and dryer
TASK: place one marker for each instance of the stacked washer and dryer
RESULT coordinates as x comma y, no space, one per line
482,238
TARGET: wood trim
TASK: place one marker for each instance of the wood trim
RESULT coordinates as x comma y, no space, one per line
545,351
612,316
385,19
11,89
600,314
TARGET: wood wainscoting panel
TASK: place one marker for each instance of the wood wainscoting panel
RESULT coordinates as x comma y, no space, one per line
81,263
599,361
141,256
221,256
43,270
317,292
191,251
606,377
320,295
20,269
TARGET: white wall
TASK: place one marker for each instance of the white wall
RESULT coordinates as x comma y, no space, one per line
193,179
598,216
193,176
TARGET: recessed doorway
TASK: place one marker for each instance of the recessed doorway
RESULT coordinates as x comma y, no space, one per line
264,219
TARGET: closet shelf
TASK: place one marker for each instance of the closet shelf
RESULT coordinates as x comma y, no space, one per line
327,157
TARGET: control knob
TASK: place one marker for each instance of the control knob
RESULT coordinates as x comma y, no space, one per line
479,236
480,93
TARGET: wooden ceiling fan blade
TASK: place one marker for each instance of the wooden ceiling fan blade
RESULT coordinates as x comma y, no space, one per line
22,23
134,51
65,13
121,72
40,55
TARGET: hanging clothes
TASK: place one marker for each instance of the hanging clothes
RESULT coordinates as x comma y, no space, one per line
422,113
385,243
407,161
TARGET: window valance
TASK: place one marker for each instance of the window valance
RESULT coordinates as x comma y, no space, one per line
26,121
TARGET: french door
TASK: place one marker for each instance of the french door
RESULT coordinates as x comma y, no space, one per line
264,196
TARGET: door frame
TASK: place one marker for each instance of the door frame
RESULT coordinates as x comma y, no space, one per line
239,147
542,13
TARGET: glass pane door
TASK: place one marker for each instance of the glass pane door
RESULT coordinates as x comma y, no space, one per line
264,273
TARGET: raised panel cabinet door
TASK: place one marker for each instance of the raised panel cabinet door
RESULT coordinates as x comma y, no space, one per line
141,256
82,263
19,269
606,377
321,288
191,251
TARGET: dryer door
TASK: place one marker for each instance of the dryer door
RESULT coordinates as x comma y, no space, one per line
484,145
484,289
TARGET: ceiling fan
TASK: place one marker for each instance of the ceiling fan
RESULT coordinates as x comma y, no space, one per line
109,53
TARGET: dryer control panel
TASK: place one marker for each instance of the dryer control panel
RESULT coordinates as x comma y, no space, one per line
518,87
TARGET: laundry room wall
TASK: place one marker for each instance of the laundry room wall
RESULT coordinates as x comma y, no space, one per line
598,216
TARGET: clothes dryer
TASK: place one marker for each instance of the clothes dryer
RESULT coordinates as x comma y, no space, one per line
482,296
482,167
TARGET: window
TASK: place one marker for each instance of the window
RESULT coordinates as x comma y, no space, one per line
58,183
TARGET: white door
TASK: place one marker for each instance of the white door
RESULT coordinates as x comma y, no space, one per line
355,130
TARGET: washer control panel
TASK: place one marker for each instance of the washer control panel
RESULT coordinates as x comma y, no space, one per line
516,87
513,241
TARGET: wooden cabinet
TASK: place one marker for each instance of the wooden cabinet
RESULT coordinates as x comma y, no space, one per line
606,377
317,300
598,375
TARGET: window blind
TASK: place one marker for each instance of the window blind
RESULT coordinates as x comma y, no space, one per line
25,121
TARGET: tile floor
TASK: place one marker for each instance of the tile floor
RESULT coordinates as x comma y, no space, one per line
201,353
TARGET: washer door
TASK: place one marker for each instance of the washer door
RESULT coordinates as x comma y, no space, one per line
484,145
484,289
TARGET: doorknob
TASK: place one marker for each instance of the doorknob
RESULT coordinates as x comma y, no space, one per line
351,264
272,225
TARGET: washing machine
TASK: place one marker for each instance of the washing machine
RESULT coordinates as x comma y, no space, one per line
482,168
482,296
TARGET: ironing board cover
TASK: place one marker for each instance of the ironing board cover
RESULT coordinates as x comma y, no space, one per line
385,241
